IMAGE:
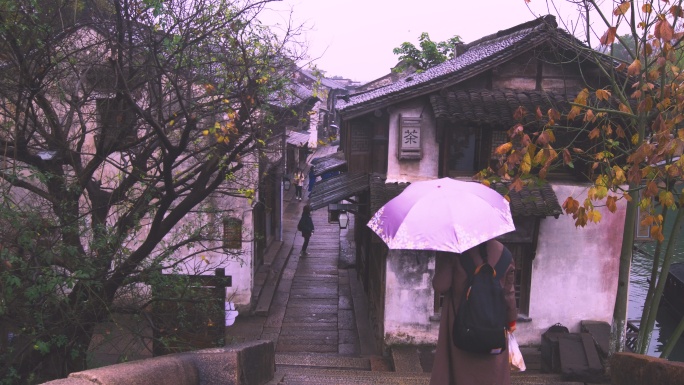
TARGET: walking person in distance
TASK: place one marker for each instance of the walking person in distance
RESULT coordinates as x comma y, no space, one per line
454,272
312,179
306,226
299,183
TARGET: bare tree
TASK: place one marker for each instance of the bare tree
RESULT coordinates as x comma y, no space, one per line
119,120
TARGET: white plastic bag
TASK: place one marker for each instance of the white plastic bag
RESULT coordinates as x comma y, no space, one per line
515,357
231,313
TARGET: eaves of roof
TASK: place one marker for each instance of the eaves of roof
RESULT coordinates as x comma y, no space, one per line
337,188
480,56
298,139
332,162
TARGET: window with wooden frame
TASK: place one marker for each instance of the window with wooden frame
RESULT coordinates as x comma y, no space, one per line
232,233
467,150
116,121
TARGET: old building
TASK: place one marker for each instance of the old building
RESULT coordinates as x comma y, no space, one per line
446,122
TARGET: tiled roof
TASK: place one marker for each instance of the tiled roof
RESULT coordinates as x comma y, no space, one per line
299,139
332,84
536,201
479,56
293,95
332,162
382,192
494,107
337,188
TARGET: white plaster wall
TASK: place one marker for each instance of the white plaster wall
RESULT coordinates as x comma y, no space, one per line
313,125
575,271
409,298
241,265
413,170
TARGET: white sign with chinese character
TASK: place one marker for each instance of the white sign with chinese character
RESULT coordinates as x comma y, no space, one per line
409,139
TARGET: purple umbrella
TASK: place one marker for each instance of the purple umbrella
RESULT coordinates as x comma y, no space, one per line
442,215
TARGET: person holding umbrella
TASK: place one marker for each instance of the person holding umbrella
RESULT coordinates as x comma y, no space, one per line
453,366
461,220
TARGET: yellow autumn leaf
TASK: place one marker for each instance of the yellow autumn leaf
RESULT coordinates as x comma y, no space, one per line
635,139
582,97
551,136
504,148
591,193
622,8
205,132
526,165
589,116
594,216
172,122
574,111
624,108
634,68
601,192
680,133
602,94
666,198
619,177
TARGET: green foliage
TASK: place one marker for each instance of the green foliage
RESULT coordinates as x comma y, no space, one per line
428,54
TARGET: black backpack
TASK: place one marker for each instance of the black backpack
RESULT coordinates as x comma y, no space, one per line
480,323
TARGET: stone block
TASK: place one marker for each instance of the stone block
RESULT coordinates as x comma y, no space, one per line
638,369
600,332
248,363
165,370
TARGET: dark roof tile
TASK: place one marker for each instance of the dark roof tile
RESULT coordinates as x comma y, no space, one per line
332,162
337,188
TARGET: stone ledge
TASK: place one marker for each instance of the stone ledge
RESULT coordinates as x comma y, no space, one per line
639,369
249,363
164,370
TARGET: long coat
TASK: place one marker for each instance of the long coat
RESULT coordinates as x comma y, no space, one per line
453,366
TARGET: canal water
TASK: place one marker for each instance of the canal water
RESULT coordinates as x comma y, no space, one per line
665,320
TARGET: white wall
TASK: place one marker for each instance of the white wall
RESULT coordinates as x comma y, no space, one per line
413,170
313,125
409,298
575,272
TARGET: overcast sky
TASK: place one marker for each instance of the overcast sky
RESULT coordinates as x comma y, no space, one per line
355,38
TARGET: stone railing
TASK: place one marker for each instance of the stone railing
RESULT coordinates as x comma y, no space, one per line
249,363
639,369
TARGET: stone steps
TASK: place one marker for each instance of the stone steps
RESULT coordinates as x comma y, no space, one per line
323,369
310,376
322,361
